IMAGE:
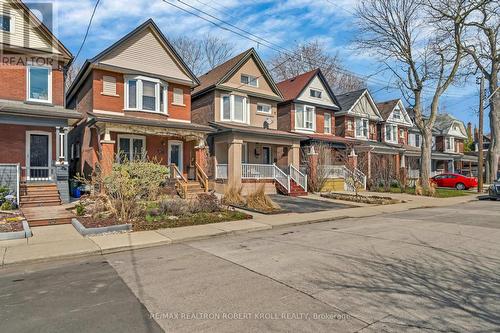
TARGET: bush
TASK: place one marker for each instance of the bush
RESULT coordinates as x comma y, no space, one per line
259,200
205,203
7,205
173,206
80,209
232,196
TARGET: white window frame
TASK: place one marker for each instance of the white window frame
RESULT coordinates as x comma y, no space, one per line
315,90
393,131
327,129
159,84
130,137
246,113
419,141
266,105
303,113
363,129
12,23
452,144
28,84
181,91
251,78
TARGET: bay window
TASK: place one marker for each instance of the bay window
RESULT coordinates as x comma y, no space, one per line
305,117
235,108
362,128
39,84
131,147
145,94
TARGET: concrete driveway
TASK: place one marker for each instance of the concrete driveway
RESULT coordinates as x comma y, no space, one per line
422,270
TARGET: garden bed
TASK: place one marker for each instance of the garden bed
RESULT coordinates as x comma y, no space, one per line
13,225
372,199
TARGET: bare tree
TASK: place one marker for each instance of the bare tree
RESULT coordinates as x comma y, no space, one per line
481,44
319,170
355,164
420,48
70,75
312,55
202,55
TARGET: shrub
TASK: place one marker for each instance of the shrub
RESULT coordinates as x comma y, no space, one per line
173,206
232,195
205,203
7,205
259,200
80,209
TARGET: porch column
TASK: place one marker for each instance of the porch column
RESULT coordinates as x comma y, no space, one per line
234,162
369,164
294,155
107,153
201,155
312,157
62,145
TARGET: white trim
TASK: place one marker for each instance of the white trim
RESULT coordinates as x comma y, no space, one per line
180,120
28,146
49,83
114,113
130,137
362,119
139,93
244,152
263,112
324,123
12,23
307,129
246,109
251,78
181,151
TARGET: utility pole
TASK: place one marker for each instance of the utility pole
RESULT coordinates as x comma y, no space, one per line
480,158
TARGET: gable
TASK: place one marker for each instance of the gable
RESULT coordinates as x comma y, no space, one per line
25,32
404,118
457,129
316,84
364,108
250,67
144,52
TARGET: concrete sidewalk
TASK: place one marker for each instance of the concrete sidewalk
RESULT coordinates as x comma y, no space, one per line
63,241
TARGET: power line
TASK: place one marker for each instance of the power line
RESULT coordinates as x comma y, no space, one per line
88,29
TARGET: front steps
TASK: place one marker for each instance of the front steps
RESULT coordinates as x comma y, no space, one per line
193,189
43,216
295,189
39,195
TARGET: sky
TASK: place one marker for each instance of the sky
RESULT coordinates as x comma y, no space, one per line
284,23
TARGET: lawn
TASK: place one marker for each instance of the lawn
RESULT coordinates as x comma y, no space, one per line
440,192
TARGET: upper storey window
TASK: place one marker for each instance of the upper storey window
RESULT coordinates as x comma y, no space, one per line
315,93
145,94
235,108
249,80
39,84
305,117
6,23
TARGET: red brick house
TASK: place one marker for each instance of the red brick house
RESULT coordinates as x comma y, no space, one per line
33,120
135,97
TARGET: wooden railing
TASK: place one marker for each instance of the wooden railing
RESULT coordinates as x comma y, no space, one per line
257,171
282,178
181,181
202,177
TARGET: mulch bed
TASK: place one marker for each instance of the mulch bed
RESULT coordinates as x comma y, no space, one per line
11,221
90,222
375,200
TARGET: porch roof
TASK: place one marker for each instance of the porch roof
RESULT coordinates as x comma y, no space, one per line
382,147
337,141
225,128
128,120
38,110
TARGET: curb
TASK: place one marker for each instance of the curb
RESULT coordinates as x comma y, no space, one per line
26,233
100,230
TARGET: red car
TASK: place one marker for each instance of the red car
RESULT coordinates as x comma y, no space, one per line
454,180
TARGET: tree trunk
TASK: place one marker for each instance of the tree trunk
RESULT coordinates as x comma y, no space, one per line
425,158
494,149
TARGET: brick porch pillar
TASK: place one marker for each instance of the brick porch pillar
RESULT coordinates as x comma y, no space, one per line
352,159
201,156
312,157
107,154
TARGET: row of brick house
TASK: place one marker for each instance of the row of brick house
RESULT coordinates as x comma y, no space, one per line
232,125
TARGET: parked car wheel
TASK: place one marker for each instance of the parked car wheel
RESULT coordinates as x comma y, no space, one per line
460,186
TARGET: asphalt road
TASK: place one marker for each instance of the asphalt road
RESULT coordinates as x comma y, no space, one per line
423,270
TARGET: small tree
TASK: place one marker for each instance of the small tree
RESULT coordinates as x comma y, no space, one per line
356,166
317,172
383,171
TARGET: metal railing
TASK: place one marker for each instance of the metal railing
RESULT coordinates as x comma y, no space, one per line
221,171
38,174
282,178
258,171
298,177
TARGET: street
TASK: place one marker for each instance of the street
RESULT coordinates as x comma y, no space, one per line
430,270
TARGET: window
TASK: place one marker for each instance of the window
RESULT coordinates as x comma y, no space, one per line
304,117
109,85
145,94
178,96
417,140
401,133
362,128
234,108
396,114
315,93
264,108
449,144
39,84
391,133
349,125
249,80
6,23
328,123
131,148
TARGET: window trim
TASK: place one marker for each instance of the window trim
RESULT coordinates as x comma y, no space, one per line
264,112
251,78
49,83
115,83
160,86
452,144
356,134
305,128
329,121
394,130
12,23
316,90
173,96
246,113
131,137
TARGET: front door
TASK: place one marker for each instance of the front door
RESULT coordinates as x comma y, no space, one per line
38,158
266,152
175,153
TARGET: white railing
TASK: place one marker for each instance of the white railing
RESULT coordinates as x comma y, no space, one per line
281,177
221,171
333,171
258,171
298,177
38,174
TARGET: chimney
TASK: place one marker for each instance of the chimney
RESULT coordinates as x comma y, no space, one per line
476,134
